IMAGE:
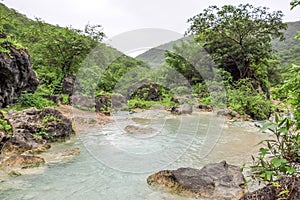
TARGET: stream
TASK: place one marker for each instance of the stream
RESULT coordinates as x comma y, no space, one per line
114,164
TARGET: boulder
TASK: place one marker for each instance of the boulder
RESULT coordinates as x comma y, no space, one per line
16,75
23,141
213,181
206,108
32,128
270,192
4,137
103,104
68,84
182,109
147,91
118,101
227,113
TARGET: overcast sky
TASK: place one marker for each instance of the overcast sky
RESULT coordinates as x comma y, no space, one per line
118,16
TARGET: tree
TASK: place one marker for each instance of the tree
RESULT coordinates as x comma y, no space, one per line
238,38
294,3
63,48
191,61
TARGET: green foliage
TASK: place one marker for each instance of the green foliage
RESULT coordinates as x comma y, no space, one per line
191,61
41,135
115,71
50,118
65,98
244,99
279,155
237,37
294,4
146,104
290,92
34,100
5,126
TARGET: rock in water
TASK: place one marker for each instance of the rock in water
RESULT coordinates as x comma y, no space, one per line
22,162
213,181
182,109
32,128
16,75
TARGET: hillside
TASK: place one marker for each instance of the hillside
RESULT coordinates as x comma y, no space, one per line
58,52
288,50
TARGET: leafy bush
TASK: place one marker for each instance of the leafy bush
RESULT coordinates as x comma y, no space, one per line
281,154
244,99
34,100
5,126
290,92
65,98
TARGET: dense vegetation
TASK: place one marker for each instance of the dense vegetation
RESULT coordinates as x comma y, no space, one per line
220,50
58,52
229,59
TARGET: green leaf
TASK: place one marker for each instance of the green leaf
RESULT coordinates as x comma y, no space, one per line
263,151
277,162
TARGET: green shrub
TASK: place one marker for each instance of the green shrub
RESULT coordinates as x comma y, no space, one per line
289,92
34,100
244,99
279,155
65,98
5,127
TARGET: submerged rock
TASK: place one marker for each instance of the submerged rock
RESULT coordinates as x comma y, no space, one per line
22,162
213,181
16,75
133,129
270,192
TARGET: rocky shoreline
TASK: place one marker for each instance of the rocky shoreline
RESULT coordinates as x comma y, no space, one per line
25,150
34,131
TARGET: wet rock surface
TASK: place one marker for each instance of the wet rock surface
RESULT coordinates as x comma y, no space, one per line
16,75
182,109
213,181
17,162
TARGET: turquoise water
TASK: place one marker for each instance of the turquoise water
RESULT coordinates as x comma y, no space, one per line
115,165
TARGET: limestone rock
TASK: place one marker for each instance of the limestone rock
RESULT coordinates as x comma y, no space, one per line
22,162
16,75
68,84
32,128
182,109
213,181
206,108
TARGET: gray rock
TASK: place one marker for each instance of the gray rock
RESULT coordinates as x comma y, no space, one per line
68,84
32,128
213,181
182,109
16,75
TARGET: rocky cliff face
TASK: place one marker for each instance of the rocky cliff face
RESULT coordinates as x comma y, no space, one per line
16,75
